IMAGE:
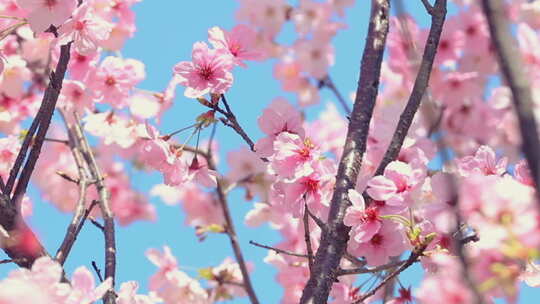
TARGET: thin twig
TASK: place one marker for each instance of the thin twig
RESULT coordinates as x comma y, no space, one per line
307,238
7,261
362,270
280,251
96,223
233,238
415,254
327,82
73,228
233,123
60,141
97,270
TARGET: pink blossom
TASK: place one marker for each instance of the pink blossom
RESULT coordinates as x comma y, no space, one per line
80,66
364,222
449,290
128,295
144,105
200,172
169,195
75,97
175,173
288,72
523,173
279,117
9,147
395,185
227,271
86,29
112,128
208,72
311,15
115,78
14,75
42,285
154,151
314,189
340,5
315,56
293,157
83,290
165,261
43,13
201,208
239,42
171,284
329,130
269,15
389,241
484,161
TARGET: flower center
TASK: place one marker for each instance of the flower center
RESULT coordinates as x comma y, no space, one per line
110,81
206,73
312,185
377,240
50,3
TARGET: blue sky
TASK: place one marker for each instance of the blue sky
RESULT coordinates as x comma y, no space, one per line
166,33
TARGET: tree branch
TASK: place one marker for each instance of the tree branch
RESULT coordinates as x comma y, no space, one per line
50,98
512,67
307,238
231,232
438,15
334,240
327,82
362,270
280,251
104,204
415,254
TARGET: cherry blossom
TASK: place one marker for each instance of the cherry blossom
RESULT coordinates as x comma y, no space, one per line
208,72
86,29
365,222
395,185
42,14
239,42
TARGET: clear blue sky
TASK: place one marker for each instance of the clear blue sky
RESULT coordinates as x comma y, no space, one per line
166,32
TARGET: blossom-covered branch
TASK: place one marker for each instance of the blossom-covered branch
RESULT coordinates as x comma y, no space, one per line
511,66
334,240
438,15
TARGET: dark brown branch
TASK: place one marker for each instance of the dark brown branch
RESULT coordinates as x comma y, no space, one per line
233,123
279,251
512,68
233,238
10,218
334,241
50,98
7,261
97,270
438,15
